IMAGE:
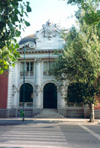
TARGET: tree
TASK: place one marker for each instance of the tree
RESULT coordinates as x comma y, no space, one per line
79,93
75,93
80,60
91,7
12,20
79,2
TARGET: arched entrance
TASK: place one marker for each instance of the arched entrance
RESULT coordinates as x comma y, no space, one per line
28,93
50,96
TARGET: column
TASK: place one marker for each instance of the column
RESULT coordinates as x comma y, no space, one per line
38,74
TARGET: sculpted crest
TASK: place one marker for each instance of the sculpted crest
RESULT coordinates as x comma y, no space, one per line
49,29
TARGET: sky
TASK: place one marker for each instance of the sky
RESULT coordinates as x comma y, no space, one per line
42,10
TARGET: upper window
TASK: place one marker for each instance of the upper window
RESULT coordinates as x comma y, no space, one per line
46,67
29,68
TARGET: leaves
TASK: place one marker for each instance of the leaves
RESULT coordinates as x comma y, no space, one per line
18,33
11,22
91,16
28,8
27,23
80,59
79,1
80,93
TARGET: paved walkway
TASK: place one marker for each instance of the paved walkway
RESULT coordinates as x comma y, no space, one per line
19,120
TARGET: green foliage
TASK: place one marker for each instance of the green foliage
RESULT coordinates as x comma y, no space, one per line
75,93
27,23
79,1
11,22
92,14
80,93
81,56
75,1
91,10
80,59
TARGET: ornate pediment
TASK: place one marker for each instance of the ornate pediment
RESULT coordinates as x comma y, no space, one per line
49,30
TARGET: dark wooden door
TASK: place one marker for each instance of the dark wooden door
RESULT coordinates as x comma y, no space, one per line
50,96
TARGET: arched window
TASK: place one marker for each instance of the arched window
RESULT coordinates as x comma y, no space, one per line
28,93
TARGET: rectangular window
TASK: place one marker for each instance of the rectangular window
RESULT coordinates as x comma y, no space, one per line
47,66
29,68
51,64
22,67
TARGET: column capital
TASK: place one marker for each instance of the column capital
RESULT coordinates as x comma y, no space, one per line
38,60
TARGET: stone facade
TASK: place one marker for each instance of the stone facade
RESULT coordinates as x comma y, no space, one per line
39,56
41,89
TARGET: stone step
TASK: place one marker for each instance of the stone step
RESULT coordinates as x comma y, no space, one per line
49,113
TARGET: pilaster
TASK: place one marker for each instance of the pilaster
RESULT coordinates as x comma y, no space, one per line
15,94
10,88
38,75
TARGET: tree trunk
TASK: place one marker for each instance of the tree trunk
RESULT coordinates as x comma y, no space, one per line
91,112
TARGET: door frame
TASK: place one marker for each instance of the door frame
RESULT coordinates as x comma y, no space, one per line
56,97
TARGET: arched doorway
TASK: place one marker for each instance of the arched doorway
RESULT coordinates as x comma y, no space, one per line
28,93
50,96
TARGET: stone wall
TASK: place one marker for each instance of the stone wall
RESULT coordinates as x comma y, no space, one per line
97,114
70,112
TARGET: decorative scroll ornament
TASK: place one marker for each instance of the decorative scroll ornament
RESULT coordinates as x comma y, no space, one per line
32,45
37,89
49,29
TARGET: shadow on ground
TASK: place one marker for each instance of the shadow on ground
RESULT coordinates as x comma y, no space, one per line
25,122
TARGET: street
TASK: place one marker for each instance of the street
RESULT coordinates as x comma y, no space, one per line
49,134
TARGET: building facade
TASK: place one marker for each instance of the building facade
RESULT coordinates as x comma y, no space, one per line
30,80
41,89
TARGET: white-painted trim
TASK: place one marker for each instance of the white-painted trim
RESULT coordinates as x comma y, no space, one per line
50,81
26,81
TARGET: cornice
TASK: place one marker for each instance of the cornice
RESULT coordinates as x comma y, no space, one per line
38,51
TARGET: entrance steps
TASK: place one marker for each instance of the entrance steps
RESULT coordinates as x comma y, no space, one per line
49,113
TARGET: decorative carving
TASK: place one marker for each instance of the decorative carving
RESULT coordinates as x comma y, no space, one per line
14,90
37,89
37,60
27,46
31,45
49,29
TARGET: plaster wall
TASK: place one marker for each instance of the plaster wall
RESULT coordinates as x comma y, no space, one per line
3,90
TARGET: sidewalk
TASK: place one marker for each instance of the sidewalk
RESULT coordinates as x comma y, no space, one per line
15,121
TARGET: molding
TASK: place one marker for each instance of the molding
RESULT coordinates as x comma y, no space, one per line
50,81
39,51
37,60
26,81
